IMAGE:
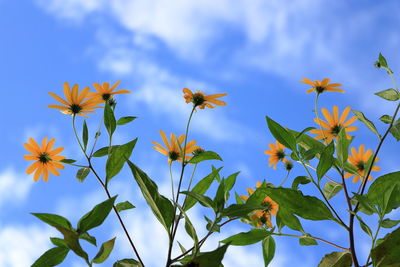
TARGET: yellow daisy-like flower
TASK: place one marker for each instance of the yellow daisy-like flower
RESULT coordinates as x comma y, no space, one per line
322,86
276,153
105,93
333,124
262,217
76,103
201,100
46,158
359,160
173,148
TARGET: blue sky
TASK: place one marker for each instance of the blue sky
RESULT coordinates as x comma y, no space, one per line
255,51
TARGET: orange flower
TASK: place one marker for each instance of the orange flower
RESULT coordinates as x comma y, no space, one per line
333,124
76,103
201,100
359,160
104,93
46,158
322,86
276,154
262,217
173,149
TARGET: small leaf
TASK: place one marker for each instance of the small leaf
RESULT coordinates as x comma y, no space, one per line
382,61
125,120
91,239
104,151
300,180
82,174
326,160
342,147
68,161
204,200
219,199
247,238
388,223
306,241
52,257
336,259
332,189
104,251
389,94
364,226
127,263
59,242
281,134
285,217
96,216
211,258
85,135
395,130
268,248
109,119
53,220
386,119
206,155
116,160
386,254
126,205
190,230
367,122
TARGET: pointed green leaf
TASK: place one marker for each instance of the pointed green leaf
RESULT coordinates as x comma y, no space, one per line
300,180
104,251
388,223
332,189
126,205
68,161
53,220
116,160
109,119
206,155
219,199
125,120
59,242
365,204
239,210
210,259
382,61
160,205
364,226
96,216
386,119
127,263
85,135
388,183
336,259
268,248
91,239
52,257
367,122
281,134
71,238
104,151
190,230
326,160
386,254
395,130
306,241
247,238
342,147
389,94
204,200
285,217
82,174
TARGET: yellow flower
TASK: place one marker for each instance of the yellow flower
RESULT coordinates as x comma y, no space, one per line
276,154
333,124
76,103
173,148
104,92
46,158
322,86
359,160
201,100
262,217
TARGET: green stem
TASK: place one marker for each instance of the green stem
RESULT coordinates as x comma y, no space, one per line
374,239
96,137
191,180
317,115
284,180
76,135
172,180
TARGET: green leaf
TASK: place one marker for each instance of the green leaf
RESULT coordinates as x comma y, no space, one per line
365,204
386,119
126,205
204,200
389,94
160,205
364,226
395,130
96,216
125,120
82,174
326,160
91,239
206,155
304,131
52,257
85,135
201,188
68,161
116,160
367,122
281,134
210,259
104,151
285,217
342,147
127,263
54,220
104,251
247,238
331,189
388,223
388,183
71,238
238,199
268,248
336,259
386,254
59,242
300,180
109,119
308,143
190,230
382,61
219,199
239,210
306,241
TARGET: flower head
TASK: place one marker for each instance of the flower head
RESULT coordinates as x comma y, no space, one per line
201,100
173,148
322,86
46,158
263,216
76,103
333,124
359,160
276,153
105,93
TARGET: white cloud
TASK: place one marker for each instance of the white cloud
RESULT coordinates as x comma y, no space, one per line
14,187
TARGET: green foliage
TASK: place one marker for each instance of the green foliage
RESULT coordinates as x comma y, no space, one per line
386,254
281,134
285,217
364,226
239,210
104,151
326,160
306,241
109,119
104,251
190,230
300,180
268,248
52,257
367,122
85,135
388,223
160,205
386,119
59,242
96,216
395,130
126,205
82,173
331,189
342,148
127,263
125,120
68,161
336,259
116,160
91,239
202,199
210,259
206,155
389,94
247,238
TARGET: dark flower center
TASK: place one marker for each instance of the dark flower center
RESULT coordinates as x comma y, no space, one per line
198,99
336,129
106,97
288,165
280,154
44,158
361,165
264,219
173,155
267,207
319,89
75,109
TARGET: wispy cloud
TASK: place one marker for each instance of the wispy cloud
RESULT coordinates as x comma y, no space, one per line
14,187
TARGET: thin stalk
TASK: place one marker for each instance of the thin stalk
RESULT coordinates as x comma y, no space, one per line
326,176
317,115
172,180
284,180
76,135
96,137
191,179
314,237
374,239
